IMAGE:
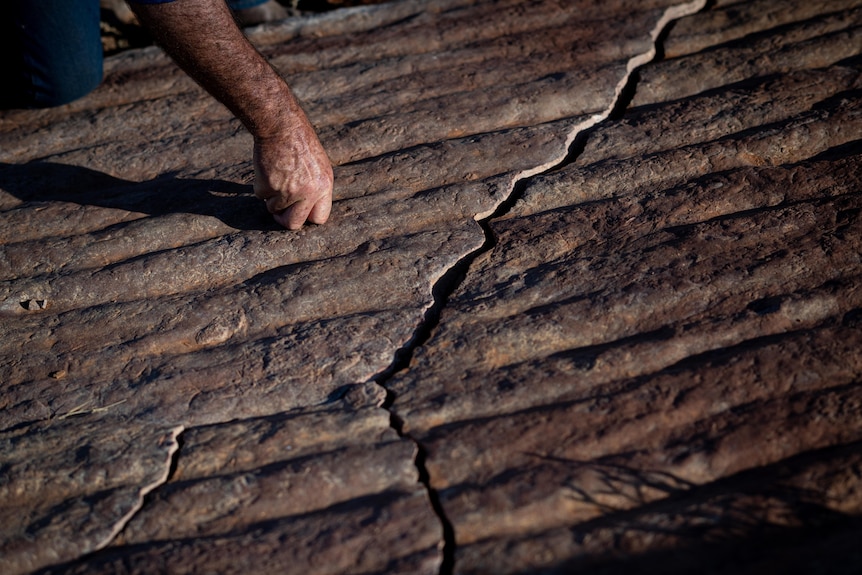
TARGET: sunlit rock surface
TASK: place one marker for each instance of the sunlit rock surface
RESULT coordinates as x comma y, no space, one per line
588,299
658,363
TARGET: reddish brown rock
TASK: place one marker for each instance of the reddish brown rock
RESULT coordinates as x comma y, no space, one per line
657,351
333,489
672,310
162,292
71,483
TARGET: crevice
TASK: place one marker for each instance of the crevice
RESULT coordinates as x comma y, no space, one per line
441,291
449,282
173,440
447,564
175,456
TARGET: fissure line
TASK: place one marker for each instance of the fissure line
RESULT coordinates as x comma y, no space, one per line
172,440
453,278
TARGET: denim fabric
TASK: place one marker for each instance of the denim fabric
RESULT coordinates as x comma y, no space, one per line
52,51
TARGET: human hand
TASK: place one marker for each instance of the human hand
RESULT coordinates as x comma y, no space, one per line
293,175
292,172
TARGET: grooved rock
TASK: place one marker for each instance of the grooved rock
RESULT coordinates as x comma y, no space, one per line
330,490
71,484
646,360
139,277
658,363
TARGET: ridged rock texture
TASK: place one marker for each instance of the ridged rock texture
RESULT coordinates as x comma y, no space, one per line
590,300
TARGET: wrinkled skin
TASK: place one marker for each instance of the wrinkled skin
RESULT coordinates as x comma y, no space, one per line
292,174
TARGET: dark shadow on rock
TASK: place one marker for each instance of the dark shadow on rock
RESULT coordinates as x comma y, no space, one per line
831,548
756,521
232,203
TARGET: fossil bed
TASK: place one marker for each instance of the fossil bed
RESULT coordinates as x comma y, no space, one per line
589,301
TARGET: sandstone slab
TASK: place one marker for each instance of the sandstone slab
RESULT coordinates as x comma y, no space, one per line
674,310
69,485
162,294
331,490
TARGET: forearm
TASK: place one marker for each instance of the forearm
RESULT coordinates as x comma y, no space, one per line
293,175
201,36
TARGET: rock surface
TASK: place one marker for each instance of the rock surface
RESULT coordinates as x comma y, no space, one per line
660,356
649,360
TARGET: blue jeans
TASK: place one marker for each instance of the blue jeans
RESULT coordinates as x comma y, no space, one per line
51,50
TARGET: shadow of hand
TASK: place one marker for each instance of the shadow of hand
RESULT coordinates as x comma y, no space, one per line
232,203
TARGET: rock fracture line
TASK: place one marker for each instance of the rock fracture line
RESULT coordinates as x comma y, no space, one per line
452,279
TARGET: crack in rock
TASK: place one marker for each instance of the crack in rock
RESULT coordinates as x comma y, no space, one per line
172,439
446,285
